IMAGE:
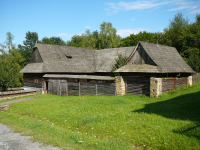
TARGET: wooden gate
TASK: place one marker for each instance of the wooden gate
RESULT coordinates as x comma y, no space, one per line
138,85
58,87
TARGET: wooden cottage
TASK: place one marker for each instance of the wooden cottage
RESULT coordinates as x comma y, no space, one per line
65,70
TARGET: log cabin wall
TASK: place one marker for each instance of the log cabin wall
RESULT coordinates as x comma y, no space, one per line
79,87
33,80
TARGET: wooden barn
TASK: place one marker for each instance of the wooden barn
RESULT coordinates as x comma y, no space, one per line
65,70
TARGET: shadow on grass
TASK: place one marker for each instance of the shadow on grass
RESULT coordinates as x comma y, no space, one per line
184,107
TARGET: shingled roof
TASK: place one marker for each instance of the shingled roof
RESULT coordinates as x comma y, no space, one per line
47,58
164,59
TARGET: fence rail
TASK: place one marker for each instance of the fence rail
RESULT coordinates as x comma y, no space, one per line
196,78
173,83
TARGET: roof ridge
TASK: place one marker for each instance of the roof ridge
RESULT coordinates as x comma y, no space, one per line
158,44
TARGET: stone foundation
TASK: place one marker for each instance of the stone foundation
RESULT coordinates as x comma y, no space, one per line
120,85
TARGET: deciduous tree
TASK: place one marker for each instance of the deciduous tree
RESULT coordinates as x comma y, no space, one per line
52,40
108,37
9,69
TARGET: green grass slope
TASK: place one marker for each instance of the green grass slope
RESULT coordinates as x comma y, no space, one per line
171,121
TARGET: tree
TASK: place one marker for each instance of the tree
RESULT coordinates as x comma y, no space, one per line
76,41
31,38
191,44
8,44
174,34
108,37
9,69
133,40
119,62
26,50
89,40
52,40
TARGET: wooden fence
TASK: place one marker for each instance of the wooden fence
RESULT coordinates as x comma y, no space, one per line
173,83
196,78
64,88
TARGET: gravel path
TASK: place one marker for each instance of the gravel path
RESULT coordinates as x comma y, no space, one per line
14,141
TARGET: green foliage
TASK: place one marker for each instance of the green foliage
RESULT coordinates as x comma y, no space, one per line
174,33
76,41
108,37
31,38
9,69
8,44
52,40
89,40
170,121
133,40
25,51
119,62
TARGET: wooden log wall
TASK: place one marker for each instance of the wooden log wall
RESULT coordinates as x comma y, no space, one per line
105,88
64,88
87,88
173,83
73,88
33,82
138,85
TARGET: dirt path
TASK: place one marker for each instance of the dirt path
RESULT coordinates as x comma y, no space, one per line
17,101
14,141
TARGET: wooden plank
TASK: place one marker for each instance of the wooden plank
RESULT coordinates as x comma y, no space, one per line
138,85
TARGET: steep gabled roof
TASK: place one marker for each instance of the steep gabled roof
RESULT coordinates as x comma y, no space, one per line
34,68
56,58
67,59
166,59
106,58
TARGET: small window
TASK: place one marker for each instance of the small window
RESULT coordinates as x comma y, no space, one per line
36,81
68,57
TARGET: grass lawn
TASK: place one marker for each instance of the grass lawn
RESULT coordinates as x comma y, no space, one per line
171,121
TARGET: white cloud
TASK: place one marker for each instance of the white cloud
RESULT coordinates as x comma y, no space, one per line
132,19
136,5
126,32
87,27
190,5
195,11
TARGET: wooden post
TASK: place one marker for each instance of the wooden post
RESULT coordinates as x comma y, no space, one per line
79,88
174,83
96,87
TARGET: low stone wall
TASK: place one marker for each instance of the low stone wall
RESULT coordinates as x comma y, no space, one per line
155,87
19,93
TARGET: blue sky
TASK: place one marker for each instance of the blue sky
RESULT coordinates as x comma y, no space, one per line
66,18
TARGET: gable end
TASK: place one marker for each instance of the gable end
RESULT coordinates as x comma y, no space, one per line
35,56
140,56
